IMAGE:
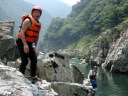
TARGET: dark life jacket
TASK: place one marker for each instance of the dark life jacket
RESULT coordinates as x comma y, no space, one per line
93,76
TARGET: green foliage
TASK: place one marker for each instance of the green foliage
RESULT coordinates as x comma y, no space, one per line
88,19
103,39
112,35
126,21
116,32
56,25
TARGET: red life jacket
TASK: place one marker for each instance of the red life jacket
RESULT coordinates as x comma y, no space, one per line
32,33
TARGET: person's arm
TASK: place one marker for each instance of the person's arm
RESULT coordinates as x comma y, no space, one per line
25,25
97,75
89,74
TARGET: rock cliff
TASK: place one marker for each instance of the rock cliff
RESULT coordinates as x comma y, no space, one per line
110,50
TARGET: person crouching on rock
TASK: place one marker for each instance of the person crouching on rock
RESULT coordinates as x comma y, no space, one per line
93,76
27,40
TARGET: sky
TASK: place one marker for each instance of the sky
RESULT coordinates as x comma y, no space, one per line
71,2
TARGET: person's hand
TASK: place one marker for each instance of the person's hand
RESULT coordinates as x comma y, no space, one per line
26,48
34,48
89,80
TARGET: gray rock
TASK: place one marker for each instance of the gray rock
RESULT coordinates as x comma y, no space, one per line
78,75
72,89
46,71
53,68
110,49
8,48
13,83
7,27
57,68
117,56
98,51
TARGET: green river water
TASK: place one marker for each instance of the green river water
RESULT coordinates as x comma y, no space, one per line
108,84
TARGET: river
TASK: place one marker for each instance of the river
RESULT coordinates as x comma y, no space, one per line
108,84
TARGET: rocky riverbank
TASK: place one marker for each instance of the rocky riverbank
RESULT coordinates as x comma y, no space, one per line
13,83
65,79
54,69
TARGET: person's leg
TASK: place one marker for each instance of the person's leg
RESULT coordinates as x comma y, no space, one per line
23,55
94,84
33,59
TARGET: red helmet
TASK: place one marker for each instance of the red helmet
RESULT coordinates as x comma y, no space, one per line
36,8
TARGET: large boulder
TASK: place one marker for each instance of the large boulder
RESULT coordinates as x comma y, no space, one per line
56,67
78,75
13,83
72,89
7,43
53,67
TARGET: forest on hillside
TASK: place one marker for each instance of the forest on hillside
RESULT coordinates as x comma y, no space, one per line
88,19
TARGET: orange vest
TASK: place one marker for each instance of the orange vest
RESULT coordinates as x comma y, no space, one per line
32,33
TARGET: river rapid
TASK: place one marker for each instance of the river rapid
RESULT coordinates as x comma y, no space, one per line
108,84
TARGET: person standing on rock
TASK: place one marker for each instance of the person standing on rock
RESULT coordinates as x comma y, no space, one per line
27,40
93,76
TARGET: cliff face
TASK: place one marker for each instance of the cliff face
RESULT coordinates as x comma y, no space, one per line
111,50
7,43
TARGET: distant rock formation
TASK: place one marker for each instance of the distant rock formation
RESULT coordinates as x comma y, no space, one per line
111,50
117,58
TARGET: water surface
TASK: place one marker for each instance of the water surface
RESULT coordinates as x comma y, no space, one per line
108,84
